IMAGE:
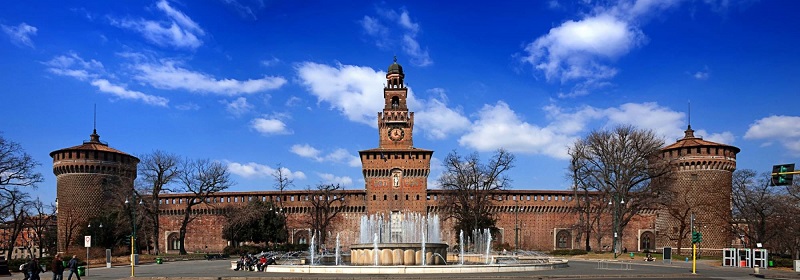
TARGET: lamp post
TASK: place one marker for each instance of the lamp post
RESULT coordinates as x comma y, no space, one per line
133,234
617,200
91,235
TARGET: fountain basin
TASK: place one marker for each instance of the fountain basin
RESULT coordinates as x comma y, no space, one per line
395,254
417,269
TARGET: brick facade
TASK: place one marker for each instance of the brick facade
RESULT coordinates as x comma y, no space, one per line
396,176
86,177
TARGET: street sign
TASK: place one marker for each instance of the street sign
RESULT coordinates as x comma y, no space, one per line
87,241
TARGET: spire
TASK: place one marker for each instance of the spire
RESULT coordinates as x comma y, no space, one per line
689,132
94,137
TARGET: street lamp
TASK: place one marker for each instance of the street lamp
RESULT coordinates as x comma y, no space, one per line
616,203
91,235
133,235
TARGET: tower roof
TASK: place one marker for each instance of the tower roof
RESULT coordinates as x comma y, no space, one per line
94,144
395,68
689,140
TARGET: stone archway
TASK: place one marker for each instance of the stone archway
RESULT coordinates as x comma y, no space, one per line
563,240
173,242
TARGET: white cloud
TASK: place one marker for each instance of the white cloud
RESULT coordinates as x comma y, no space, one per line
21,34
328,178
255,170
783,129
178,30
575,49
726,137
499,127
349,89
188,107
245,10
169,75
121,92
404,25
435,119
699,75
72,65
269,126
337,156
270,62
238,106
663,121
306,151
579,52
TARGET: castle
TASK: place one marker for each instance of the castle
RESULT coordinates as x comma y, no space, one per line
396,175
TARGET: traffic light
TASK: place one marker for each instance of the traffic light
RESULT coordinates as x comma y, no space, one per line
697,237
778,176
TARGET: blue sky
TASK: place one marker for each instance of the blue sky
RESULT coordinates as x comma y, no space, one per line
258,84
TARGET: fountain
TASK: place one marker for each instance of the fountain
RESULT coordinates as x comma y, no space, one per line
404,239
412,244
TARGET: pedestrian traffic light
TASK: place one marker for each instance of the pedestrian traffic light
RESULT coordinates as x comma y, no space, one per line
697,237
779,178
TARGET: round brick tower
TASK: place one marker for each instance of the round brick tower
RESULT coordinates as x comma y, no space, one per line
87,175
702,181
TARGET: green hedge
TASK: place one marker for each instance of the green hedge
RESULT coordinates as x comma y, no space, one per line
571,252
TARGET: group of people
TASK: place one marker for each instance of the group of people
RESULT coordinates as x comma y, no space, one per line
252,263
32,269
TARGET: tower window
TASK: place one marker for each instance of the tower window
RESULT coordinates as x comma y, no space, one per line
384,197
395,102
374,197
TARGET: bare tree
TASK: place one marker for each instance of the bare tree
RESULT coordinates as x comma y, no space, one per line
469,186
15,215
326,202
157,171
201,179
622,162
17,168
38,222
282,183
755,201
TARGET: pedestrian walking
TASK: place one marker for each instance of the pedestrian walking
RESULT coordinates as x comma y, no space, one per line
57,267
73,268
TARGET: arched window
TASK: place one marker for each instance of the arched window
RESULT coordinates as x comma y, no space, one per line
648,241
563,239
395,102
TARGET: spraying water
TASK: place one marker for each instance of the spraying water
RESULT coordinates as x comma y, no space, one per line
423,249
461,246
375,248
488,245
338,254
312,249
407,228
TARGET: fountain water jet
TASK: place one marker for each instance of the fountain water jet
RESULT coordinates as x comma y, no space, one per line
400,239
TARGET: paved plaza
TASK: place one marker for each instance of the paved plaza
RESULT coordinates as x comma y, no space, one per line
578,269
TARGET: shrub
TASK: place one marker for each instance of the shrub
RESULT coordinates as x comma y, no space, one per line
571,252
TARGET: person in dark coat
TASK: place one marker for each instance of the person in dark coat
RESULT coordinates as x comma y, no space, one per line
73,268
34,269
58,268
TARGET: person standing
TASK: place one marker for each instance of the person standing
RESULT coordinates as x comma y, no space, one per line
34,269
73,268
58,268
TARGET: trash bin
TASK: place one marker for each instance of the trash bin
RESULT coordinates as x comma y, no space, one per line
771,264
631,255
159,260
81,271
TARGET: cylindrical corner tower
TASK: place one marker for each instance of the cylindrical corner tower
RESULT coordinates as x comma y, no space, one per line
702,183
86,177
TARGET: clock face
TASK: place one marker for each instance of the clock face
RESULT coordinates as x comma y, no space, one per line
396,134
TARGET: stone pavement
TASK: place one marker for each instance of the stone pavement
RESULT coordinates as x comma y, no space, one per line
578,269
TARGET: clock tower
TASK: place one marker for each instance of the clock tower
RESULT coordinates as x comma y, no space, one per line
396,173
